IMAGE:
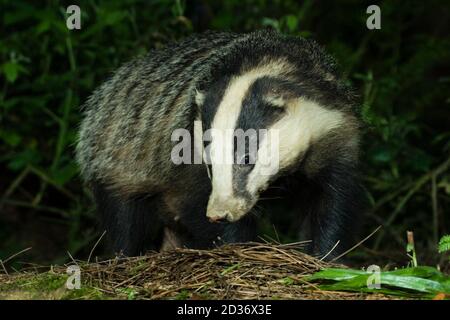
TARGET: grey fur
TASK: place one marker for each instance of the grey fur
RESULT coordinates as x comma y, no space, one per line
134,113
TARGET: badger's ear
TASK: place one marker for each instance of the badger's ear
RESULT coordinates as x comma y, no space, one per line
276,101
199,98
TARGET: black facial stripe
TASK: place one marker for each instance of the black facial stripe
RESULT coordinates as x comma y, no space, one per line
256,113
213,97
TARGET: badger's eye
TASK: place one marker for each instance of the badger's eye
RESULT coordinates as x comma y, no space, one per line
247,160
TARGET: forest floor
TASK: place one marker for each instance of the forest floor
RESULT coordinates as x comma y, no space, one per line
244,271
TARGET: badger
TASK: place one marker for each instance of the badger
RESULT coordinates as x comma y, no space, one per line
223,81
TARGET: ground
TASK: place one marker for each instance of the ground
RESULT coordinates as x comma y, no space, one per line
250,271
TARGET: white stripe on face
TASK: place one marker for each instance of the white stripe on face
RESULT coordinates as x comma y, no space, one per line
305,121
224,123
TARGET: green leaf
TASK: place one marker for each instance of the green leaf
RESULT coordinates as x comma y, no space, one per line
418,281
444,244
269,22
382,154
288,281
336,274
112,18
11,138
292,22
62,175
11,71
24,158
43,26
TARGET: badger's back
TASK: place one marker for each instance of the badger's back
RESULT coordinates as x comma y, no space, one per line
125,134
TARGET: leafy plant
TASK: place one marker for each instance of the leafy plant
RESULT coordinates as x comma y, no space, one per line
413,282
444,244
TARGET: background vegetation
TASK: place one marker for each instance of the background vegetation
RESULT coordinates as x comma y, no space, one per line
46,72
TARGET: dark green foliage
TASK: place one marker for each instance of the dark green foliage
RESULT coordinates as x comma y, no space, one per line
47,71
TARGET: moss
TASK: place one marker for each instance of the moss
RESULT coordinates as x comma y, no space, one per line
183,295
48,285
48,282
85,293
129,293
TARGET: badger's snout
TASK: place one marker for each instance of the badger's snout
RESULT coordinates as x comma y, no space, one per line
230,209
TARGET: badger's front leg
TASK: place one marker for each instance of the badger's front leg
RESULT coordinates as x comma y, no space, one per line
131,224
336,209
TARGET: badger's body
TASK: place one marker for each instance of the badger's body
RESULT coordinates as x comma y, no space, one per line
261,80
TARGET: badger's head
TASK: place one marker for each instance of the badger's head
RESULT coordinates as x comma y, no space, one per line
259,124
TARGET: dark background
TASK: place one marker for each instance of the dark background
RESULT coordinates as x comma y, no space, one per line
401,73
